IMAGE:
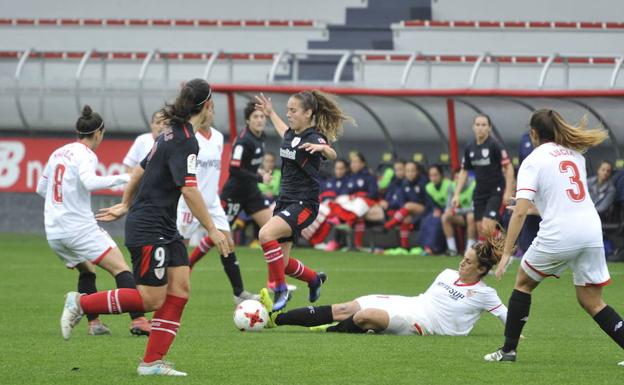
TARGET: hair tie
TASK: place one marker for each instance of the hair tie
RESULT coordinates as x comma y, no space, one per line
205,100
91,132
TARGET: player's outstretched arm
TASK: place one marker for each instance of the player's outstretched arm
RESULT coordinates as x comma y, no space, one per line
264,105
513,230
91,181
326,150
195,202
109,214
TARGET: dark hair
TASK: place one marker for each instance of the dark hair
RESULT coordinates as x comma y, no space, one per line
482,115
343,161
359,155
399,161
88,123
551,127
270,153
190,101
325,111
437,167
250,108
490,251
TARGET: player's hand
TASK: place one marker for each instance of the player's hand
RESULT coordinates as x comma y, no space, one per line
455,202
264,104
266,176
312,148
109,214
501,268
220,241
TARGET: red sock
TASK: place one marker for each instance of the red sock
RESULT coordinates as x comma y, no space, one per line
358,235
298,270
404,232
275,261
399,215
112,302
320,234
204,246
344,215
165,326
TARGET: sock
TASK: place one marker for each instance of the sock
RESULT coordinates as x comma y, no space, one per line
399,215
404,232
165,325
232,270
344,215
470,243
204,246
358,233
275,261
125,280
112,302
86,285
346,326
306,316
450,244
611,322
517,316
321,234
298,270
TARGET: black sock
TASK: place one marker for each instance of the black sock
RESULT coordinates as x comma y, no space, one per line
612,324
306,316
346,326
232,270
125,280
517,316
86,284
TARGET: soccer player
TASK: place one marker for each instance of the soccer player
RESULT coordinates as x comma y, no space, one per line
159,256
71,229
314,118
553,180
208,172
144,142
451,305
462,216
494,176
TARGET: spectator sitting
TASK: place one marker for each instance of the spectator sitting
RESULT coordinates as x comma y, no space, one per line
390,203
338,184
271,189
461,216
431,236
602,189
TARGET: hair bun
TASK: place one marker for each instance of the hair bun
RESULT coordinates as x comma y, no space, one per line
86,111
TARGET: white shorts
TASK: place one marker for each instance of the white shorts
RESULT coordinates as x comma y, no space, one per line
405,313
190,228
91,245
356,205
588,265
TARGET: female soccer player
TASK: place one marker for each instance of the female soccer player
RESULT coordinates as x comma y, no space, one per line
553,177
314,118
451,306
494,175
159,256
71,230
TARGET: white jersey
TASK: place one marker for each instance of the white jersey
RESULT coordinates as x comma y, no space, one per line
452,308
554,179
66,182
208,167
138,151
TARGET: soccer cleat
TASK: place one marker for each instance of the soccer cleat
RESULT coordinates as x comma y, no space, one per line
72,313
281,296
158,368
315,287
451,253
499,355
97,328
267,302
417,251
140,326
621,363
322,328
332,245
245,295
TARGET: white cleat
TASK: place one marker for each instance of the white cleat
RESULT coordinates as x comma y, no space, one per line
245,295
621,363
72,313
159,368
499,355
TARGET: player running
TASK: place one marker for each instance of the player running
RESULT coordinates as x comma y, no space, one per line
208,172
144,142
451,305
553,178
71,229
159,256
314,118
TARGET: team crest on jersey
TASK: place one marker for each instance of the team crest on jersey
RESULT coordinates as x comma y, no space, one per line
322,141
159,272
360,182
485,152
258,150
296,140
470,293
471,154
338,184
191,164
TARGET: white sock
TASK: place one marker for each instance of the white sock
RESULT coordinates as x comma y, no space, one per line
450,243
470,243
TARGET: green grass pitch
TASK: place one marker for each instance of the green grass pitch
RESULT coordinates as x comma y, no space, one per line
563,344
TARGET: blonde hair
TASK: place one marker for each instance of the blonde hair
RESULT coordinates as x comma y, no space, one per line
326,112
490,251
551,126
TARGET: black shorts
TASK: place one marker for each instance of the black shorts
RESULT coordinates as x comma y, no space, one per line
249,199
149,263
489,206
298,216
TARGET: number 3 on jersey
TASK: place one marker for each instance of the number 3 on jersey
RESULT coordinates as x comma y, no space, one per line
577,195
57,187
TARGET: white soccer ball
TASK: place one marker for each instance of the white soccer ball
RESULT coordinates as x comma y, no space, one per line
250,315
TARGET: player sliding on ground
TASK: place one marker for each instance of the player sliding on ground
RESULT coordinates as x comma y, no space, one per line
451,306
553,177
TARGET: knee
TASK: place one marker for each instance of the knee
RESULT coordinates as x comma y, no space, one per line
265,235
152,302
362,319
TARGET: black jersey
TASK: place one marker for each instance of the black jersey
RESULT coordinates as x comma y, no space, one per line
247,155
487,160
169,166
300,169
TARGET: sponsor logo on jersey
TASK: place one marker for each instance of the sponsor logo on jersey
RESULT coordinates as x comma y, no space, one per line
296,140
453,293
288,154
210,163
481,162
256,161
191,164
285,212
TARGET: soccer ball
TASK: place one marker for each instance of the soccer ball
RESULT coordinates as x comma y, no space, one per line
250,315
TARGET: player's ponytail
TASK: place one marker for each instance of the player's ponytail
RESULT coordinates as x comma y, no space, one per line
88,122
190,101
326,112
551,127
490,251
